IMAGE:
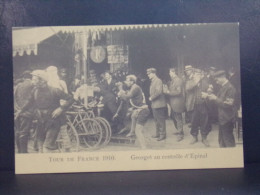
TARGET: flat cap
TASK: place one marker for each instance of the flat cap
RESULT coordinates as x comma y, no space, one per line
212,68
188,67
219,73
151,70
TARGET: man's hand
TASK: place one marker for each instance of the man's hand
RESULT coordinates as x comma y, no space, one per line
204,95
56,113
212,97
150,99
114,117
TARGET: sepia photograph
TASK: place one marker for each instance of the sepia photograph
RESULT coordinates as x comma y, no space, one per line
127,97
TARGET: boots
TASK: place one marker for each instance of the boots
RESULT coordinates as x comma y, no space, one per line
205,142
179,138
194,140
161,137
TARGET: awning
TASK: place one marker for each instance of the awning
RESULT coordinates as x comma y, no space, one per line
27,40
79,29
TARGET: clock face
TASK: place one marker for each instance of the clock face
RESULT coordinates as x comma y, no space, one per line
97,54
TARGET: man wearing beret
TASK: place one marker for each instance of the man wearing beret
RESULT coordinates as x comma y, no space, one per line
226,109
48,110
158,104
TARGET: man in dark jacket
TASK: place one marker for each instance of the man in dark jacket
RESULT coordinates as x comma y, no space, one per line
108,91
189,92
158,105
225,100
175,94
200,115
23,124
140,111
49,112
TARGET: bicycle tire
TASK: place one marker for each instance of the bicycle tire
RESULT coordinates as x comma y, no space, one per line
74,140
89,132
109,131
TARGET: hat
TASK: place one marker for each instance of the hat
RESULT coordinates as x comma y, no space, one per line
188,67
219,73
151,70
41,74
52,69
212,68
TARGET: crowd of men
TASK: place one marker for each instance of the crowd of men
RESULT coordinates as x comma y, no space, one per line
202,97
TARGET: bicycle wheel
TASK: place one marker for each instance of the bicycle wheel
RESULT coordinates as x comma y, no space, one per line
89,132
68,140
107,130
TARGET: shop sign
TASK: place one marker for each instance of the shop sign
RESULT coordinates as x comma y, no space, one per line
117,54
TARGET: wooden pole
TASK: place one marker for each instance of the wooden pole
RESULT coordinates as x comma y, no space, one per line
84,61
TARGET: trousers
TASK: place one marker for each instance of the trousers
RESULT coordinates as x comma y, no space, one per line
226,137
159,115
23,126
178,123
200,121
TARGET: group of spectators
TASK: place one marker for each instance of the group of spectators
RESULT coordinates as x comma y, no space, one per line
44,96
201,96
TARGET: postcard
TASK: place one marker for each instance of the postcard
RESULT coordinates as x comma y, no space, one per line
127,98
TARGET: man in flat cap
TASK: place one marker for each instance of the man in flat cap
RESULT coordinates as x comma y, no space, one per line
199,84
49,112
175,93
158,104
189,92
226,109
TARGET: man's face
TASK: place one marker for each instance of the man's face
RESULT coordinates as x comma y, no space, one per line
150,75
171,73
218,80
35,80
188,72
107,76
128,82
63,74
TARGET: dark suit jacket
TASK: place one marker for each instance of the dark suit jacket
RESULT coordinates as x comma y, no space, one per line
176,95
156,93
190,94
226,112
108,91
